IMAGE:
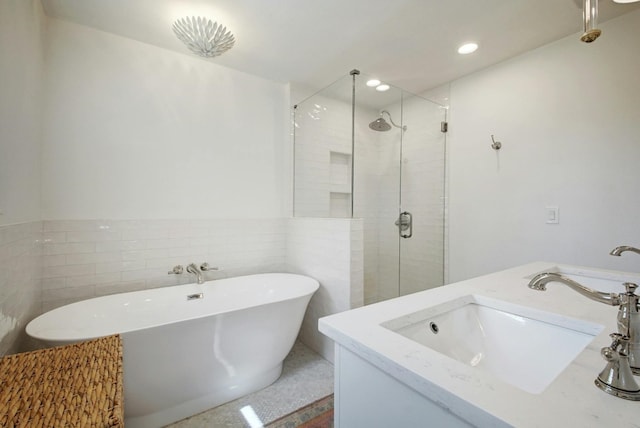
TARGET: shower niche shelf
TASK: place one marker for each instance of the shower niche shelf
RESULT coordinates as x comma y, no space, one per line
339,184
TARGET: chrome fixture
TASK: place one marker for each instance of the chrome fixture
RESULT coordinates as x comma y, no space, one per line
203,37
616,378
623,248
628,315
177,270
194,269
195,296
540,281
404,223
382,125
495,145
590,20
205,267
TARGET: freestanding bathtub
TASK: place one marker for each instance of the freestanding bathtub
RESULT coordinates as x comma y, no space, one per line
188,348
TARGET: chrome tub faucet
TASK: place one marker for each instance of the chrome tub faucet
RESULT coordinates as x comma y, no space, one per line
194,269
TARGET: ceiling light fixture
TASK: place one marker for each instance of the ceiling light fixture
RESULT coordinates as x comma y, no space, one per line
373,82
625,1
467,48
382,88
203,37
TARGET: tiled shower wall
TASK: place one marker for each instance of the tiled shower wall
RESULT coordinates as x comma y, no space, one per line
88,258
20,291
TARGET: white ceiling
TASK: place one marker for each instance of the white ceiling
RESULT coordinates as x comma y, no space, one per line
408,43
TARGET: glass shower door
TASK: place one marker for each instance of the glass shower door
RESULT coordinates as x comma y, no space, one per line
420,224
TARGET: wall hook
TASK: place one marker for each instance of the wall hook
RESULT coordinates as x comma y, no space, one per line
497,145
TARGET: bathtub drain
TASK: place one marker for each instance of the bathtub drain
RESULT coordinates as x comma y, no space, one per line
195,296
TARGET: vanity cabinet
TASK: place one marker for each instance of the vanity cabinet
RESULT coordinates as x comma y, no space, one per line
366,396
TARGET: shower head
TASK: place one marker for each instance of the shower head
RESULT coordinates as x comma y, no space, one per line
380,125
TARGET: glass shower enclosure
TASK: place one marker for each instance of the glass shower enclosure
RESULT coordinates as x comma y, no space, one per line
380,156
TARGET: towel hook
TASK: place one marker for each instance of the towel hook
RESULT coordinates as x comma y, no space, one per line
497,145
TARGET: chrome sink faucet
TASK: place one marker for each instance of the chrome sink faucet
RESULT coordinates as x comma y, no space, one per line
624,248
540,281
623,362
194,269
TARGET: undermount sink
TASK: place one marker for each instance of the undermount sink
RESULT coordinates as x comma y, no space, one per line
521,346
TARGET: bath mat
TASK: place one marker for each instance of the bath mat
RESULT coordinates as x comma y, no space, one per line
318,414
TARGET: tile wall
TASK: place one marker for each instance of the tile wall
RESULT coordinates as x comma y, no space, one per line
44,265
330,250
89,258
20,290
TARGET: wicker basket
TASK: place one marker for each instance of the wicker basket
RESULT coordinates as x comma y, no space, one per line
77,385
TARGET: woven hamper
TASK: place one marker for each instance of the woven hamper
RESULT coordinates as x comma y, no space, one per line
77,385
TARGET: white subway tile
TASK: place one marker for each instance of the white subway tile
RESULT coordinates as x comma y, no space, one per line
69,248
55,260
109,246
120,266
54,237
78,293
119,287
53,283
67,270
144,234
145,254
94,236
102,278
86,258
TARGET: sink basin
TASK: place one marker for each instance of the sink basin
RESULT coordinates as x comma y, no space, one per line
524,347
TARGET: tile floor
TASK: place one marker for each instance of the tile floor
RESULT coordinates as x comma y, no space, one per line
306,377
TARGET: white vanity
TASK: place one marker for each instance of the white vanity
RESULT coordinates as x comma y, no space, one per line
422,359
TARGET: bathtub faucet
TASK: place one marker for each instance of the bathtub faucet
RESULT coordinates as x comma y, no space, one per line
194,269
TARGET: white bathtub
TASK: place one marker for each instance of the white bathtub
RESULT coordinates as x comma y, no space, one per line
185,356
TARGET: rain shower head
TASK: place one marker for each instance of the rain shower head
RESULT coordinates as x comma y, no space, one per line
382,125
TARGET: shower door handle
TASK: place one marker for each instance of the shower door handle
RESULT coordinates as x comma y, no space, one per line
405,223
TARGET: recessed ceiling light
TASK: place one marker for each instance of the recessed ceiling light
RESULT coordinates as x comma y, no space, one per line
467,48
382,88
373,82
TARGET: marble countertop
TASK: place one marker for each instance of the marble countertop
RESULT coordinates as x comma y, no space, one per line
477,397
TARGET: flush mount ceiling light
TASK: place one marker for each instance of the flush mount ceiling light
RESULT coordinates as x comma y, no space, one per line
382,88
467,48
203,37
625,1
373,82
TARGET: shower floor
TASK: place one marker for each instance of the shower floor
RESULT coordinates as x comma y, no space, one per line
306,377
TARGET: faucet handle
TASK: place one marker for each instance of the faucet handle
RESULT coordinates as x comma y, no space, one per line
205,267
631,287
177,270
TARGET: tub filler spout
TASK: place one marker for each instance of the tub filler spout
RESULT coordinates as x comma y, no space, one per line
194,269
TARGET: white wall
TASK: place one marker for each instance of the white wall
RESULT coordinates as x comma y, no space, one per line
21,68
568,117
133,131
